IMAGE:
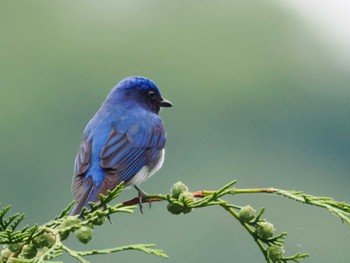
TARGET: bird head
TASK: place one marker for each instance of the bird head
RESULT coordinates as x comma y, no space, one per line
142,91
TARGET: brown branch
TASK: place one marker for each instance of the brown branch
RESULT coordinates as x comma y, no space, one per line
200,194
135,200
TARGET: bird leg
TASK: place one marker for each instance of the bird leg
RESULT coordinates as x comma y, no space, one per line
141,196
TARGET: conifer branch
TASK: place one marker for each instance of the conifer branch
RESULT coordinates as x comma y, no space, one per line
43,244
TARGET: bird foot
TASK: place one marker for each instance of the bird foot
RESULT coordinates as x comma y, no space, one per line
142,195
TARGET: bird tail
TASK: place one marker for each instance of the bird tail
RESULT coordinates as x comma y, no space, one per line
88,194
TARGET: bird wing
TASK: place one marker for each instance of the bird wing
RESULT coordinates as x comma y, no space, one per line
123,155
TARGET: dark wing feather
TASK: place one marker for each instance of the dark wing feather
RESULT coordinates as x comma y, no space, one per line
84,194
82,162
82,187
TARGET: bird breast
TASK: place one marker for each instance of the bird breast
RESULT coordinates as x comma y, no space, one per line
148,170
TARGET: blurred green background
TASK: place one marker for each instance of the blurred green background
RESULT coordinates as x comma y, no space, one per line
257,95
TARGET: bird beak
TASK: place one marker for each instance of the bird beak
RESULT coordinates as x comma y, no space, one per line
165,103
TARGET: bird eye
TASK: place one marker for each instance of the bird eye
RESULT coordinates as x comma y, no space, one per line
152,94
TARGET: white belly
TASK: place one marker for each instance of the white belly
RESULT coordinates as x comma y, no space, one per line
145,173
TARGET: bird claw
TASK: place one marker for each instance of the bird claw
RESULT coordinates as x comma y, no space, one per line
141,196
109,219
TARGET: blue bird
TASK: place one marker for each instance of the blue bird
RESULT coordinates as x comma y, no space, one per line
123,142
